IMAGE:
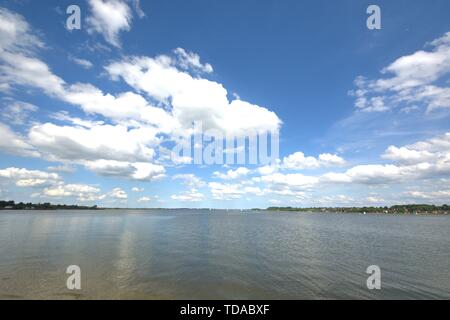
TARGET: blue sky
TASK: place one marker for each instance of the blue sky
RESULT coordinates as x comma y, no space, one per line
89,115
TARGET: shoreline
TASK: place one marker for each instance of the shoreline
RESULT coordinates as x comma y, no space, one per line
246,211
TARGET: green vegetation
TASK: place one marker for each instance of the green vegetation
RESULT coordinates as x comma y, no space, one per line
399,209
11,205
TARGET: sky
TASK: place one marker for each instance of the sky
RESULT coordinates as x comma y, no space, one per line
94,115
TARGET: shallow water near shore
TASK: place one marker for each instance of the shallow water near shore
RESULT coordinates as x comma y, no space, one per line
201,254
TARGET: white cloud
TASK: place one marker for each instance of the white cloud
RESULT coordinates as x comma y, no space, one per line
81,191
13,143
64,116
269,169
299,161
329,160
422,160
18,66
92,143
110,168
438,144
135,189
66,168
375,200
137,8
86,64
16,34
430,195
221,191
387,174
292,180
189,196
28,71
148,171
368,174
334,201
126,106
254,190
143,171
190,180
29,178
16,112
233,174
99,142
109,18
193,99
118,193
104,149
409,79
406,155
190,60
432,150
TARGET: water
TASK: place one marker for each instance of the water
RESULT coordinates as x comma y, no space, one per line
176,254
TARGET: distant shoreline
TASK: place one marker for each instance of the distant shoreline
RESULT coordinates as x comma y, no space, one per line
411,209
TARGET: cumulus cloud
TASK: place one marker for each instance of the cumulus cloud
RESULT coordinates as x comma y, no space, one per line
291,180
406,155
143,171
62,168
81,191
29,178
233,174
109,18
443,195
134,125
17,36
189,196
410,79
99,142
123,131
104,149
434,150
193,99
145,199
234,191
335,200
118,193
190,180
190,60
298,161
126,106
225,191
421,160
269,169
16,112
18,45
15,144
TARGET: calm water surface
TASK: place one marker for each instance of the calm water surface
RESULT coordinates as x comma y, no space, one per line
176,254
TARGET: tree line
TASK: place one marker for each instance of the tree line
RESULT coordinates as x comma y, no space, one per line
12,205
397,209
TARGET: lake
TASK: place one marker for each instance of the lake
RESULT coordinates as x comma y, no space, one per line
202,254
